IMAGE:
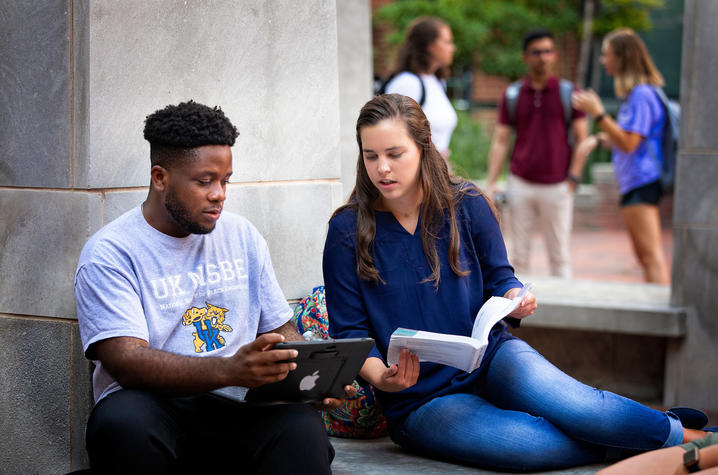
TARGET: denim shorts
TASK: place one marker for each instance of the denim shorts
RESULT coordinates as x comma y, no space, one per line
646,194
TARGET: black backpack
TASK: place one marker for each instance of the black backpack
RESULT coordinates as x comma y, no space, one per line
380,86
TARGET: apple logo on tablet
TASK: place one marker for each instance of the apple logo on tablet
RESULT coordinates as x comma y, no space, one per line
308,382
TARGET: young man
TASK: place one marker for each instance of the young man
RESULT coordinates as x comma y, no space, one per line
176,298
543,170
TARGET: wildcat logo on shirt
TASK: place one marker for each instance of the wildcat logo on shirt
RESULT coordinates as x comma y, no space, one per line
208,321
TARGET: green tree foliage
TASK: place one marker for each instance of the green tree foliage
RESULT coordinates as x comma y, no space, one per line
469,148
488,33
625,13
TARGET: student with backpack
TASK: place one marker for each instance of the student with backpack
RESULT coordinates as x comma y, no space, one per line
544,170
636,138
422,64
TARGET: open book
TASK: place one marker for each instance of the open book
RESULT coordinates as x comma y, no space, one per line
461,352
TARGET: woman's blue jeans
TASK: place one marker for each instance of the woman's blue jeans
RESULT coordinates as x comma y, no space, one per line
529,415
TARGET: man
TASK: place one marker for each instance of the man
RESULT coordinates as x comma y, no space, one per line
176,298
544,172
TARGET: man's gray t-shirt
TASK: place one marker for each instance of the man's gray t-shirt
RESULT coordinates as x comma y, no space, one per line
201,295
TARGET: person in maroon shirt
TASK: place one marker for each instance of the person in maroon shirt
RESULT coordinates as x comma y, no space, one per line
544,172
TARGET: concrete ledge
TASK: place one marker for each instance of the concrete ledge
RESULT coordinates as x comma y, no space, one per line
629,308
381,456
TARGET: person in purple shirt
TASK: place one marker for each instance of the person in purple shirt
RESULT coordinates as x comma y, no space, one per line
416,247
635,138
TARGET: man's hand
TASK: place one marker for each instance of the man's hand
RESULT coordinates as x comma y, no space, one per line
256,363
491,190
135,365
497,154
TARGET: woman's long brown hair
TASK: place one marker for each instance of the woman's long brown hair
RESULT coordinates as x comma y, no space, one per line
635,65
413,54
441,190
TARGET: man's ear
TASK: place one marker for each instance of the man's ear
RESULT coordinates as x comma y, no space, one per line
159,176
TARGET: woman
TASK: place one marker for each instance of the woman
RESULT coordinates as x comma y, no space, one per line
422,62
635,137
418,248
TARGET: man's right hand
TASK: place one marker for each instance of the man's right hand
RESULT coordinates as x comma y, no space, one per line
256,363
491,190
135,365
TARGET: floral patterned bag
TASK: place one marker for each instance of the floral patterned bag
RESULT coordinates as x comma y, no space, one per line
358,417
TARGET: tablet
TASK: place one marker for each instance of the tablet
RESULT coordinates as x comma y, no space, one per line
323,369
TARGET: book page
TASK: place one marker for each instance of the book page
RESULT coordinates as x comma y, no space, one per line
495,309
452,350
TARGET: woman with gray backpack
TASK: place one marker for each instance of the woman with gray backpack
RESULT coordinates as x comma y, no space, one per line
636,138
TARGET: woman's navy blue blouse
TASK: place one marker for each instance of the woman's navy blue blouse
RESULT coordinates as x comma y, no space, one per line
359,308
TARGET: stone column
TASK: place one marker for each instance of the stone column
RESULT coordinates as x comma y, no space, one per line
355,79
76,82
695,261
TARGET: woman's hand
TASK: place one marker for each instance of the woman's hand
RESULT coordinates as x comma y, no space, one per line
394,378
329,403
402,375
587,101
526,307
587,145
604,140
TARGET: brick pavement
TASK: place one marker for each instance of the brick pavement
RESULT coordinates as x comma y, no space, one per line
598,254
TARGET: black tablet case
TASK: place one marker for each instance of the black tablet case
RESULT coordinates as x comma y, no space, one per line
335,362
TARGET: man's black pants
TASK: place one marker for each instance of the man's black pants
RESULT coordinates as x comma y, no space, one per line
134,431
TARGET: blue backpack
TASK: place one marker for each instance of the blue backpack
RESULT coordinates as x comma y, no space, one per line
669,143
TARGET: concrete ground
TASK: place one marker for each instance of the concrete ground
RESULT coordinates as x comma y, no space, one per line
381,456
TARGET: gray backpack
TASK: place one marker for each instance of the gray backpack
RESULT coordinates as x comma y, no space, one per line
565,91
669,143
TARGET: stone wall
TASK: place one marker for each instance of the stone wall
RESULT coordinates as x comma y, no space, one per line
695,261
78,79
355,79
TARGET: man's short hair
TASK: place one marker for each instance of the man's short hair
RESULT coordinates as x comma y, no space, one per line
533,35
175,131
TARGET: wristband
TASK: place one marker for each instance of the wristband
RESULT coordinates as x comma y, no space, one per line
600,117
690,460
574,179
